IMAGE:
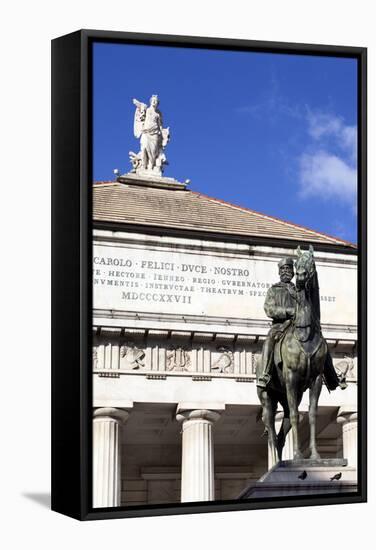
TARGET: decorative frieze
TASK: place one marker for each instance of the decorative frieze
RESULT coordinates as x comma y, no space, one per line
200,354
346,367
256,357
95,357
131,356
225,362
173,355
178,358
109,374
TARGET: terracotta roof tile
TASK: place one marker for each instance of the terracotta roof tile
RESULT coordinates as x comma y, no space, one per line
183,209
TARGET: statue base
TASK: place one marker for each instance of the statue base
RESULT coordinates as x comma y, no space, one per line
151,180
304,477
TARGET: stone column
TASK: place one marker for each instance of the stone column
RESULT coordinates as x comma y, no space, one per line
106,456
197,474
349,420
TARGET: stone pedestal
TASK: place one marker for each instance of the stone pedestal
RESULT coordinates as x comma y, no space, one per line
106,456
146,179
349,421
197,476
304,477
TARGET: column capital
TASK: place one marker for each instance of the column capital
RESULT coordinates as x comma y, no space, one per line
347,414
112,413
198,414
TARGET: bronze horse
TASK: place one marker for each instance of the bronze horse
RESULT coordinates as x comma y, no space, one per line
299,364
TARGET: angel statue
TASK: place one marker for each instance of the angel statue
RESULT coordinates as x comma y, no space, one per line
153,139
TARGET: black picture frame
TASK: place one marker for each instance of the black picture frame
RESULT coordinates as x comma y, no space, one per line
72,278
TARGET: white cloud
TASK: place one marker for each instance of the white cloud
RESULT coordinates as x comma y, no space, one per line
327,168
327,176
349,137
323,125
327,164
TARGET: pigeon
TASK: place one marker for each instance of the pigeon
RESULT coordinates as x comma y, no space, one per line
336,477
303,475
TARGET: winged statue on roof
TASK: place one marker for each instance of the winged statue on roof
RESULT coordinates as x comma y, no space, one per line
148,128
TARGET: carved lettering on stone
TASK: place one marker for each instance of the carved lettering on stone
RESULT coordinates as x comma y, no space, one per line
178,359
132,356
225,362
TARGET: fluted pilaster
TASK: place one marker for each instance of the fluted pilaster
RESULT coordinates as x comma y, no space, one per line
106,456
197,477
349,421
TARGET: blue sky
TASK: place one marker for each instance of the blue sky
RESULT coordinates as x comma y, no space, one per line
273,132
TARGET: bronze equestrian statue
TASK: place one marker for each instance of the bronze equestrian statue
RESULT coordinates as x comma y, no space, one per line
295,356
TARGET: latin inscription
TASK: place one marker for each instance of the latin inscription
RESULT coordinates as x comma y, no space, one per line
146,280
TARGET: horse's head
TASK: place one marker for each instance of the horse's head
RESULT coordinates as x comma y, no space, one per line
304,267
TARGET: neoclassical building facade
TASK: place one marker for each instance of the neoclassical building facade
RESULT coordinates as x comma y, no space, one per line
179,282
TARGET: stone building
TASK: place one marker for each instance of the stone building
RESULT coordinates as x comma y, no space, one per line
178,325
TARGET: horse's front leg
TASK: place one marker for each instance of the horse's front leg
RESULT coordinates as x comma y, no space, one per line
268,418
293,401
314,394
282,434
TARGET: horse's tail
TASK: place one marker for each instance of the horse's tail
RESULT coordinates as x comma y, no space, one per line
330,375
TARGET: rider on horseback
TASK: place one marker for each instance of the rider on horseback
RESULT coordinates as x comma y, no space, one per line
280,303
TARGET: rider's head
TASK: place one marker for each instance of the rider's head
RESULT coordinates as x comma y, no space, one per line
286,269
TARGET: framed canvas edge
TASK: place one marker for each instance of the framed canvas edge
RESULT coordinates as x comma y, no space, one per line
65,273
86,512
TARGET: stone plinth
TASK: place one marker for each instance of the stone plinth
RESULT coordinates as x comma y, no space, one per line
287,478
151,181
